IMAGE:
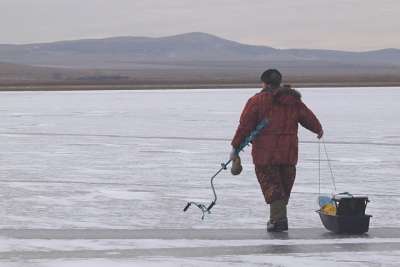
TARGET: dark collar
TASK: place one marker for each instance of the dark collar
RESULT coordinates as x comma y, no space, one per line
269,90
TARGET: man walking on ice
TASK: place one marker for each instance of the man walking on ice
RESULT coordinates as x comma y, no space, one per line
275,150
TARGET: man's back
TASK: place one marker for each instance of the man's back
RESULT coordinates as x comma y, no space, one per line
278,144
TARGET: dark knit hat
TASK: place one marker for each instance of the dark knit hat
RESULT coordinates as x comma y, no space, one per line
272,77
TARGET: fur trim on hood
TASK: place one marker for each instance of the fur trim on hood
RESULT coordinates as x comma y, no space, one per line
287,96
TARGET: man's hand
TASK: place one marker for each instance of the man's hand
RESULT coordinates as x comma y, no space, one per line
236,168
320,134
233,155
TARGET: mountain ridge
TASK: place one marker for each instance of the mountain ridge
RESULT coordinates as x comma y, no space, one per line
191,58
194,46
190,34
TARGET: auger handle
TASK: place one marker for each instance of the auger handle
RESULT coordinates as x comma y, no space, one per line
187,206
211,205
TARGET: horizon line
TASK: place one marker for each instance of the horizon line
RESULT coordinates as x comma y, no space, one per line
186,33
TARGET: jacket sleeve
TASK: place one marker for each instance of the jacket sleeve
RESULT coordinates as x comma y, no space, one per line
308,120
248,121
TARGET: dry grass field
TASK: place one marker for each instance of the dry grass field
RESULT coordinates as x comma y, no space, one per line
23,77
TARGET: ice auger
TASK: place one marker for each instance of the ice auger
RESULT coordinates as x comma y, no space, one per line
207,208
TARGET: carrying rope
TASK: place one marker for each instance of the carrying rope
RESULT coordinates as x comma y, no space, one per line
329,164
319,167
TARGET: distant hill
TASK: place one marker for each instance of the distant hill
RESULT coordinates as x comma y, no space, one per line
128,51
187,58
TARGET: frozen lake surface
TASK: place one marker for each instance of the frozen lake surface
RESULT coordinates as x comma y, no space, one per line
131,159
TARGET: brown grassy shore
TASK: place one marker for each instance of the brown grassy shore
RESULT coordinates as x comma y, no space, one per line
192,82
14,77
171,86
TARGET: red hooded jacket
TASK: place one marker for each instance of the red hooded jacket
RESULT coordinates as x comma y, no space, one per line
278,143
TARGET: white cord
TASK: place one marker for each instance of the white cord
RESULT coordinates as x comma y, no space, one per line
330,166
319,167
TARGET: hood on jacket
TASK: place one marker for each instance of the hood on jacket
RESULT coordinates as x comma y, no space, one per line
287,96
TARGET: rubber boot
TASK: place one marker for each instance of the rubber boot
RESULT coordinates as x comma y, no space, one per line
278,217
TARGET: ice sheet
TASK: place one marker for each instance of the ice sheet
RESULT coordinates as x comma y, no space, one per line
85,159
131,160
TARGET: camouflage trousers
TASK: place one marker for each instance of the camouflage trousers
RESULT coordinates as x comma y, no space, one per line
276,181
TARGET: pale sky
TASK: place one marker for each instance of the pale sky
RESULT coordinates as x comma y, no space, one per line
326,24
